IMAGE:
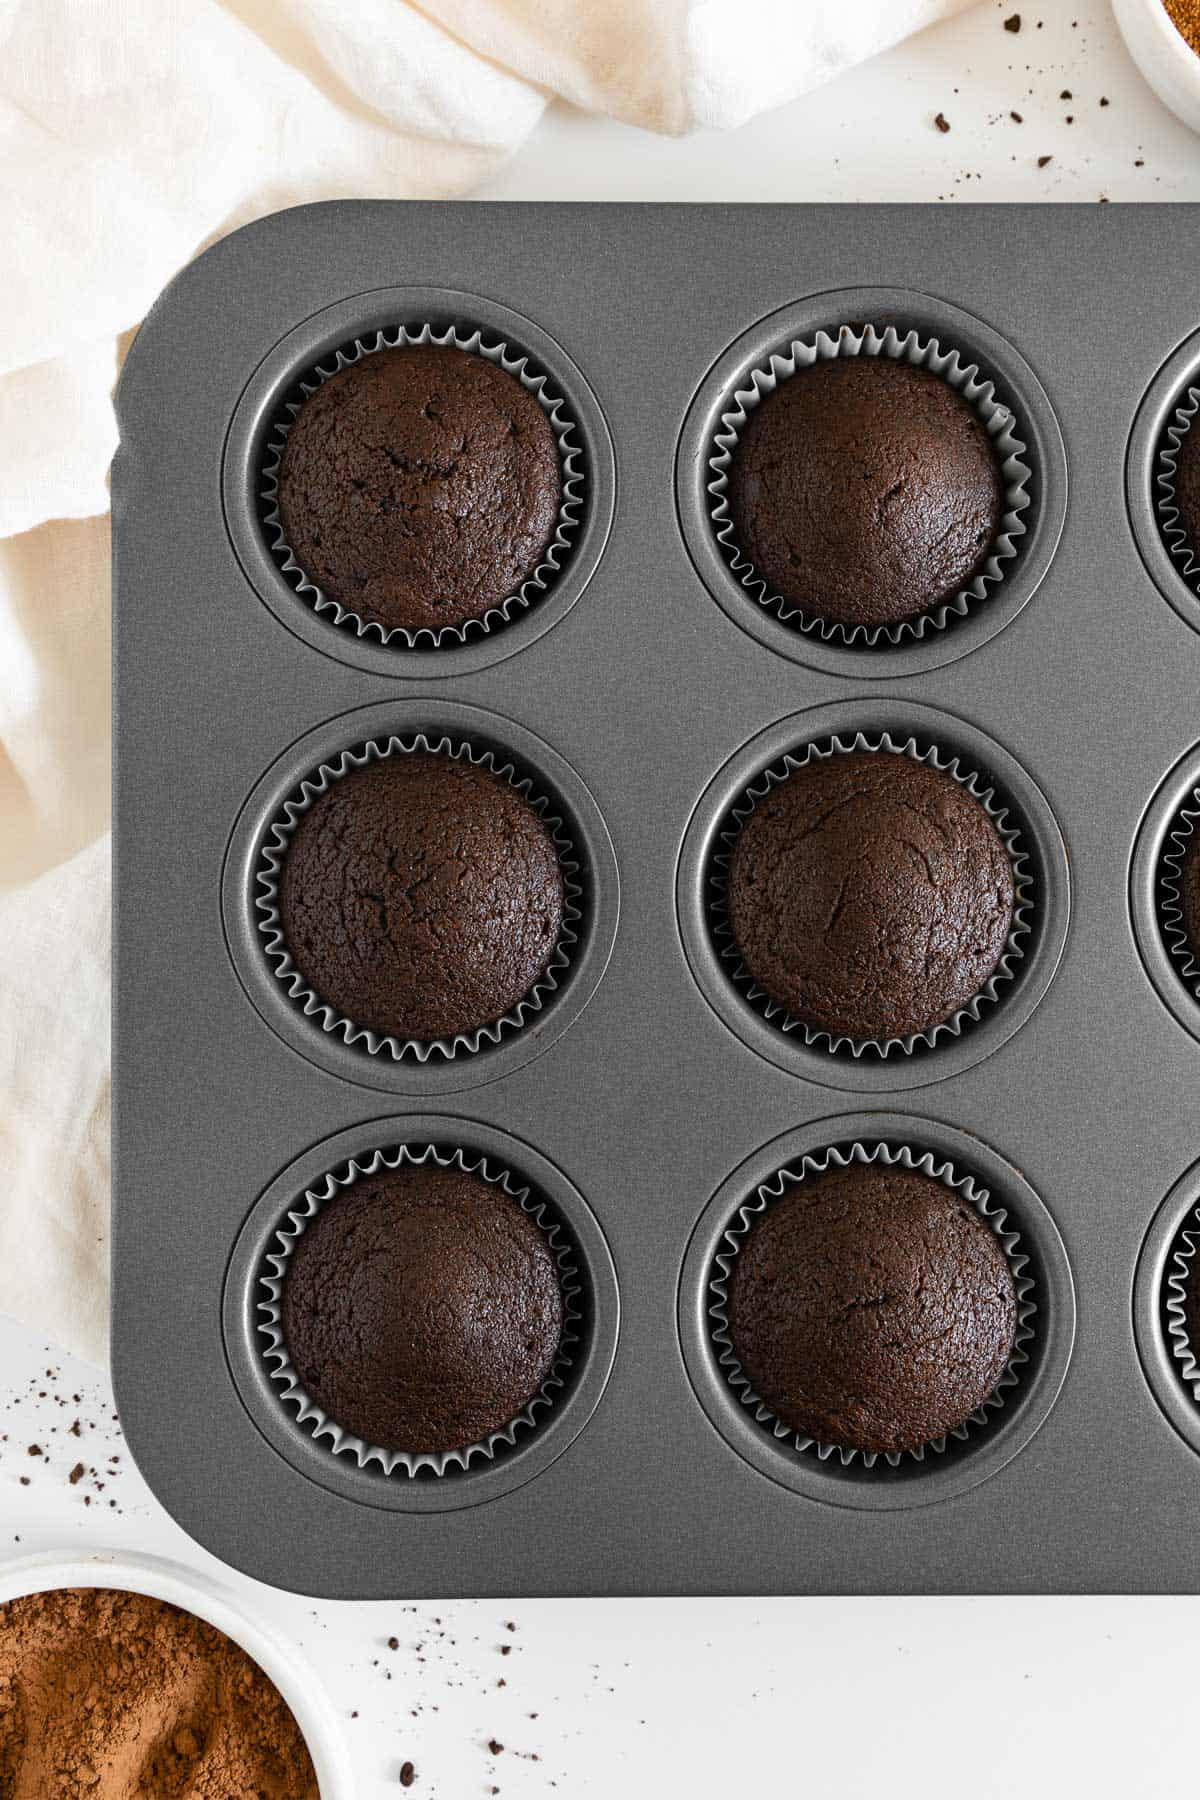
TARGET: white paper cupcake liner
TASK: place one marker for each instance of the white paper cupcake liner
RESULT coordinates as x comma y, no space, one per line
572,476
882,744
902,1156
910,347
1170,520
327,1017
282,1372
1170,892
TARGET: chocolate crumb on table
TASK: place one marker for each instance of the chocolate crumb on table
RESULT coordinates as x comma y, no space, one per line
1013,22
407,1774
942,122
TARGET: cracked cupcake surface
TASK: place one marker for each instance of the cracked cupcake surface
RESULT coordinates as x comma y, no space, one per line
422,1309
420,487
865,491
869,895
421,896
872,1308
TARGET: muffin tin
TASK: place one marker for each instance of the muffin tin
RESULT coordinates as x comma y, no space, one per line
645,1101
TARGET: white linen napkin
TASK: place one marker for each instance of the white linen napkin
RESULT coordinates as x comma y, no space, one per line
132,133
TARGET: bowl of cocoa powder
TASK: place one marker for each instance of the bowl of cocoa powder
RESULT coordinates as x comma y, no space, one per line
123,1677
1163,38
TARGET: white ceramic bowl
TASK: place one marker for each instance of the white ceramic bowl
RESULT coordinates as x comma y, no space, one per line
1163,55
195,1593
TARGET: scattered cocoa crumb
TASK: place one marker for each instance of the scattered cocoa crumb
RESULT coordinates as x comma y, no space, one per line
393,1643
1066,94
35,1450
407,1774
24,1480
1043,160
77,1474
495,1746
505,1649
942,122
1104,99
1017,117
1013,23
1140,163
509,1626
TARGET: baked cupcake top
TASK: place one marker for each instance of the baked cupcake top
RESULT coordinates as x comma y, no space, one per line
865,491
422,1309
420,487
421,896
1187,486
870,895
872,1308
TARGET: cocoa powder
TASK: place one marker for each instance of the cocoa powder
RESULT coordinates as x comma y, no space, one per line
1185,16
106,1695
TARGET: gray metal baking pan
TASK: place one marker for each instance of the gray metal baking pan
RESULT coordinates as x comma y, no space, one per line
650,1096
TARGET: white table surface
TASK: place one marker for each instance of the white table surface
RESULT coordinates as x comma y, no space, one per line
664,1698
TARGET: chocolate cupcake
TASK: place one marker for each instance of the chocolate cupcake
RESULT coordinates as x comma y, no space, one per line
872,1308
419,487
1178,891
422,1309
420,896
1191,1304
1185,487
1181,1300
1189,895
870,895
865,491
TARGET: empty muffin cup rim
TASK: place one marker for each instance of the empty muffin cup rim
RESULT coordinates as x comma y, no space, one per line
494,349
953,764
319,1426
818,1162
913,348
269,924
1166,469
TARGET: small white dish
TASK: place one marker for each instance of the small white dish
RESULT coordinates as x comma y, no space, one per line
1163,55
196,1593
